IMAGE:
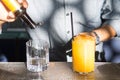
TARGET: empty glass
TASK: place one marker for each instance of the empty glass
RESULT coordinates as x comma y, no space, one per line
37,52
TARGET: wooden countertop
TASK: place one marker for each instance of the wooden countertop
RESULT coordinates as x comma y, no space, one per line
58,71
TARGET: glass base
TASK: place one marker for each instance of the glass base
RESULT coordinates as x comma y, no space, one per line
37,68
84,73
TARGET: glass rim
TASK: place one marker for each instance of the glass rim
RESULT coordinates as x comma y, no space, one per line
42,42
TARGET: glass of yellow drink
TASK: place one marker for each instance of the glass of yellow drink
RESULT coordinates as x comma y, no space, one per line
83,52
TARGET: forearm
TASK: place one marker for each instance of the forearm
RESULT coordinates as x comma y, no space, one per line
105,33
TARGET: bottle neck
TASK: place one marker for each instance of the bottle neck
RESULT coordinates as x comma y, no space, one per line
26,18
21,13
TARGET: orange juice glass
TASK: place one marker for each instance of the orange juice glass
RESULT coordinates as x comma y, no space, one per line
83,52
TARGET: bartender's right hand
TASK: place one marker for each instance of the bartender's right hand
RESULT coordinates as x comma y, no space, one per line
8,16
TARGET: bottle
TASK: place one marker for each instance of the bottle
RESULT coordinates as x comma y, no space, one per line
19,11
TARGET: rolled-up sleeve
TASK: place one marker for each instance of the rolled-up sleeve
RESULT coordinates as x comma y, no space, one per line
111,14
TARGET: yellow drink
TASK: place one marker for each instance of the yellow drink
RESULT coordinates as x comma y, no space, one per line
83,52
12,5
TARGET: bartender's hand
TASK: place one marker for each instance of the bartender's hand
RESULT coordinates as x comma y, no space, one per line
8,16
103,33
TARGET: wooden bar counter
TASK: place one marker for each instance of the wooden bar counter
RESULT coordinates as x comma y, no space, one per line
58,71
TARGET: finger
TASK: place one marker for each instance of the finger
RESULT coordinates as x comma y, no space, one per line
23,2
6,20
11,15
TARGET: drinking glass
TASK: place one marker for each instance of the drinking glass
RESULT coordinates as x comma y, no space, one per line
83,52
37,52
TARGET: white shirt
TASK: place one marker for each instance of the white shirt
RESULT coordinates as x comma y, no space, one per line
87,15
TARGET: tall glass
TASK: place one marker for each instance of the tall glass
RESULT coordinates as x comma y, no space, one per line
37,52
83,51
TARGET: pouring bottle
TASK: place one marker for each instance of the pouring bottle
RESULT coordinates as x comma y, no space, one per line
19,11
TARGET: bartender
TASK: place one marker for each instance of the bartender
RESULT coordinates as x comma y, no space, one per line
98,18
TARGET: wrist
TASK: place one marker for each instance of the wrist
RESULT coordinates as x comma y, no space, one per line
97,38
